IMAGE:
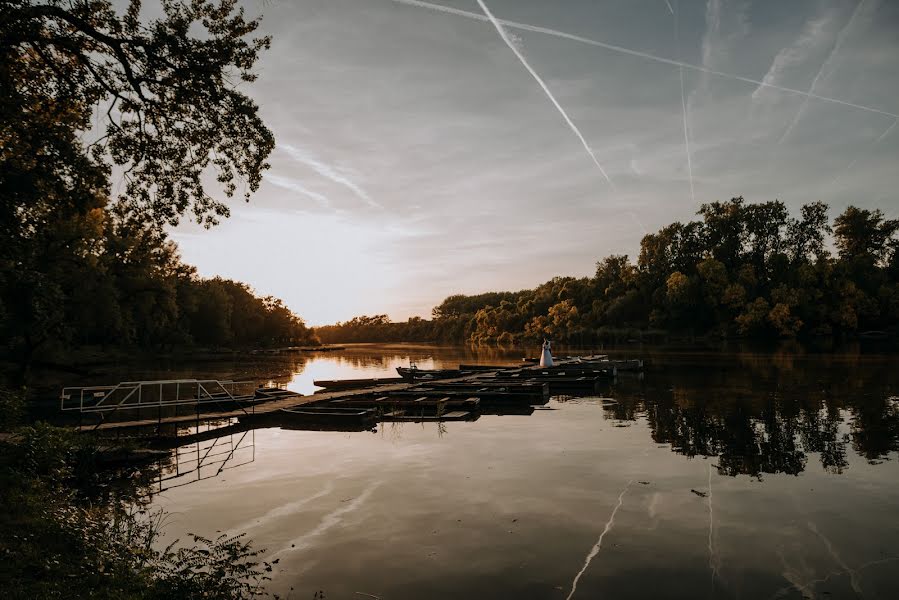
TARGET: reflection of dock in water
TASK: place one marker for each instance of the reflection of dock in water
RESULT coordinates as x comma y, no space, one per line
205,459
353,405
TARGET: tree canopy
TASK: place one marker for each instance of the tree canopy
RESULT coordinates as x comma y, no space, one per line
166,96
91,96
742,269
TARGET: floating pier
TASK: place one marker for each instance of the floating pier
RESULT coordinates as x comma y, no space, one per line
346,405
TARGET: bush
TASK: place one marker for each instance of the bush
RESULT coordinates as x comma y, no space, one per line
58,540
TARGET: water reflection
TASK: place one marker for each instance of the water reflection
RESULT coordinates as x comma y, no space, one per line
756,412
764,414
208,455
732,475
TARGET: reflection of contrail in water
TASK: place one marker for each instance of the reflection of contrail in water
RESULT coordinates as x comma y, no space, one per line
502,34
647,56
595,550
836,48
803,589
284,510
853,578
330,520
713,563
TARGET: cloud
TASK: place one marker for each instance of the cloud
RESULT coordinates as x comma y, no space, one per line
328,172
637,53
836,48
683,101
713,26
814,35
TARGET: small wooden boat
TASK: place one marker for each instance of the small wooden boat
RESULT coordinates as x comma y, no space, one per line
413,373
485,367
329,415
455,415
349,384
417,402
272,393
621,365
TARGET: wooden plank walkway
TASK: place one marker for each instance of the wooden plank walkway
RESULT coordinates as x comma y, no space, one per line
293,401
260,408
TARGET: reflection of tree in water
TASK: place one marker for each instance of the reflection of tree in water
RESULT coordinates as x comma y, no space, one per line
765,413
875,428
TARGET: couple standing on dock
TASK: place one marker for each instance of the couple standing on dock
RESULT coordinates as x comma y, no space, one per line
546,357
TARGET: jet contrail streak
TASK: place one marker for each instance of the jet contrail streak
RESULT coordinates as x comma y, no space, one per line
683,101
848,167
595,550
836,48
628,51
502,34
668,4
887,132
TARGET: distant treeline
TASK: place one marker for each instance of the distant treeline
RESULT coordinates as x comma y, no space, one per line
98,279
748,270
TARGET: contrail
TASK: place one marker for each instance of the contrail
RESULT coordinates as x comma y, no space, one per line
505,37
668,4
628,51
887,132
328,171
295,186
845,170
836,48
848,167
683,101
595,550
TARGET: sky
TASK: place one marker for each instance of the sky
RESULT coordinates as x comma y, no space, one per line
461,146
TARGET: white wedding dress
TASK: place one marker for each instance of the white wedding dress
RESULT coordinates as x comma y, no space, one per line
546,358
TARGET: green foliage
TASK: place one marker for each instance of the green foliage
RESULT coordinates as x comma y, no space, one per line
12,408
865,235
742,270
60,539
88,90
168,95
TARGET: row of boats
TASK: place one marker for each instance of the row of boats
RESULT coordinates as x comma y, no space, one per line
599,366
463,393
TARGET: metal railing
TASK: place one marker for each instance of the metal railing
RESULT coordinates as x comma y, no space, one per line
160,394
140,394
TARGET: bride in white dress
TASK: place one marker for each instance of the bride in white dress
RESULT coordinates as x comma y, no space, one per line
546,357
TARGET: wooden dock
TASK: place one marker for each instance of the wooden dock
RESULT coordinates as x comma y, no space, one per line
271,406
503,390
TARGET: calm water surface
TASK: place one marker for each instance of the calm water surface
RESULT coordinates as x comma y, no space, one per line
716,475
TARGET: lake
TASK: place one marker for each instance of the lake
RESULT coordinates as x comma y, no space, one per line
717,474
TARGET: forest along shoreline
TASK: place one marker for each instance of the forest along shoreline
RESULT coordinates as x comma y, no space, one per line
743,270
